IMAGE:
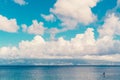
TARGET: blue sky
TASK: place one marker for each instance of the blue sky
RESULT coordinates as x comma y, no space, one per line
26,13
80,29
23,15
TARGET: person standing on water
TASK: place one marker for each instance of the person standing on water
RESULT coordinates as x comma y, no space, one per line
104,74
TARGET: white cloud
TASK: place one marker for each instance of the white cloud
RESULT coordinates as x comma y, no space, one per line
20,2
8,52
72,12
35,28
48,17
111,26
106,42
39,48
8,25
107,46
32,48
83,46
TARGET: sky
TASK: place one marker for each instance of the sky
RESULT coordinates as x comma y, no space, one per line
60,29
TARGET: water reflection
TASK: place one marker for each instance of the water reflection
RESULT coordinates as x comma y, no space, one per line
59,73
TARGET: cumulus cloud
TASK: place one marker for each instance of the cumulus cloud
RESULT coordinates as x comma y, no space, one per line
108,45
48,17
20,2
111,26
39,48
36,28
8,25
8,52
72,12
83,46
106,42
75,46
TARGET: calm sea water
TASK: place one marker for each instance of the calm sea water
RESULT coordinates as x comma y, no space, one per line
59,73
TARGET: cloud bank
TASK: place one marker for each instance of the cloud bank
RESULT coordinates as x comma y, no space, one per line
83,46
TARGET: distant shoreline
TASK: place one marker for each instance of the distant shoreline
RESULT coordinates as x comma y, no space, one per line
59,65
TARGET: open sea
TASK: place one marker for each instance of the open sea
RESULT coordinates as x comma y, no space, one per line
59,73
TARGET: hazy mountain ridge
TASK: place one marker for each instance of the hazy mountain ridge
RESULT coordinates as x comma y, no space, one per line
54,62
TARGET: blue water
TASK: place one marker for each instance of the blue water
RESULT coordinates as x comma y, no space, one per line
59,73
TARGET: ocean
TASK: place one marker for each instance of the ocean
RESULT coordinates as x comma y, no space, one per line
59,73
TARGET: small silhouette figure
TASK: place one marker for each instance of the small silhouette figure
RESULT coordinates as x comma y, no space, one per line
104,74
